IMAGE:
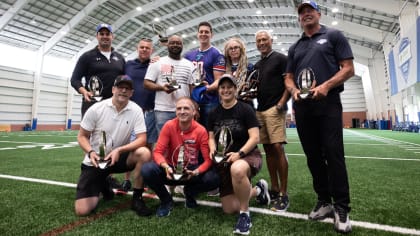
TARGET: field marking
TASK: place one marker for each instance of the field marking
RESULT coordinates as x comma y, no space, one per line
362,224
372,158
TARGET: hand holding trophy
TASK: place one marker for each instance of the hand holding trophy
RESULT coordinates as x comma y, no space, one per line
173,84
222,144
181,164
96,87
249,88
305,82
198,76
103,151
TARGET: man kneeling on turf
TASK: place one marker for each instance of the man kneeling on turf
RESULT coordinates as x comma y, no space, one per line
113,118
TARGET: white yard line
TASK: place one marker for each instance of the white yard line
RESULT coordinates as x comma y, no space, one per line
362,224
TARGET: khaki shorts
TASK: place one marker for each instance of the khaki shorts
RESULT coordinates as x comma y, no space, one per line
254,160
272,126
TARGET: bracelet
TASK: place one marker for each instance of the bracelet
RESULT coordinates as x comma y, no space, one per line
90,152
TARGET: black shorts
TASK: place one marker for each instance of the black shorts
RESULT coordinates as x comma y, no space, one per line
92,180
254,160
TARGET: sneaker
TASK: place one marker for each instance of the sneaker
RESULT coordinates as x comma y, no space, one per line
126,185
264,197
108,192
273,195
213,193
321,211
140,207
190,202
341,220
243,225
281,203
114,182
165,209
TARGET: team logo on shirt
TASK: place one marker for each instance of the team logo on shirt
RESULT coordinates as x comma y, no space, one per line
322,41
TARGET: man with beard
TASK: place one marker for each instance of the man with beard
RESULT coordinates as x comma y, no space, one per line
98,66
171,78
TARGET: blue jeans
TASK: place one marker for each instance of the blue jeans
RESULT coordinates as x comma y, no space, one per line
152,133
205,109
155,177
161,118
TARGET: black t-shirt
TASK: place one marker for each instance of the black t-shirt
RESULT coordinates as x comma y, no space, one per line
237,120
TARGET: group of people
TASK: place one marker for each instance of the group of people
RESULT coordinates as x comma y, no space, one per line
154,116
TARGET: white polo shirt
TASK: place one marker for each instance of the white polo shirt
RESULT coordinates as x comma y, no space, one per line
103,116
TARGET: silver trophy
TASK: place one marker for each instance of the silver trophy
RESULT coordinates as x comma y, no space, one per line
249,88
173,84
181,164
96,87
105,147
198,76
223,144
305,82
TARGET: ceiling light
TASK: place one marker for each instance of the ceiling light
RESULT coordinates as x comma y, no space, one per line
334,10
63,32
183,35
125,54
87,41
250,1
194,42
334,23
258,12
171,28
265,22
156,19
33,22
275,37
139,8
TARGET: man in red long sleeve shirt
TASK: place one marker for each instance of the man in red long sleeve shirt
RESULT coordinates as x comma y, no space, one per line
181,136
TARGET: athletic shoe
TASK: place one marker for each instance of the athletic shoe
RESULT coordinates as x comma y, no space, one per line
165,209
263,197
114,182
273,195
190,201
243,225
341,220
126,185
107,192
140,207
281,203
213,193
321,211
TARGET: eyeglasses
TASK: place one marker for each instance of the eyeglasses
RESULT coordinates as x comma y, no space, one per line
234,48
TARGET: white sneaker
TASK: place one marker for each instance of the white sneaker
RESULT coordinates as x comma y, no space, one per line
321,211
341,220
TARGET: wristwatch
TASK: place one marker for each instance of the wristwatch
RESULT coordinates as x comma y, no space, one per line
241,154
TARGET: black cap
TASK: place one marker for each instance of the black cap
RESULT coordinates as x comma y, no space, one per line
123,79
227,77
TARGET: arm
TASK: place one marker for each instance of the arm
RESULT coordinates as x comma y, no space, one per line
213,86
83,139
254,139
290,86
80,71
346,72
282,103
212,144
150,85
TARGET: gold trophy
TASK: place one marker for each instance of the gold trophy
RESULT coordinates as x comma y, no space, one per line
96,87
222,144
103,151
305,82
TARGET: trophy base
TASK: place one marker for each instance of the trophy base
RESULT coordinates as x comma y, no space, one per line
196,84
103,164
219,159
174,87
305,95
97,99
177,176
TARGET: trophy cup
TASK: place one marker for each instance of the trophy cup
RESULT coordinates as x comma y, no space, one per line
96,87
222,144
249,88
306,81
198,77
173,84
103,151
181,163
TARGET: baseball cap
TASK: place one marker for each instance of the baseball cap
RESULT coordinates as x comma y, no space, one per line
308,3
103,25
227,77
123,79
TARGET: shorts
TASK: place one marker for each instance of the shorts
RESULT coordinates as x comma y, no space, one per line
92,180
254,160
272,126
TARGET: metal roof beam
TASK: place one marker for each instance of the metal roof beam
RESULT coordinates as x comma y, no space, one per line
11,12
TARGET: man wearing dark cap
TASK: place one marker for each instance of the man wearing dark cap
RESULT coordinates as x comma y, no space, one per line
115,118
323,60
99,66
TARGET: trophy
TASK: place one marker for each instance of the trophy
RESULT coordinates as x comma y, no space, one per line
181,164
173,84
103,150
198,77
249,88
96,87
222,144
306,81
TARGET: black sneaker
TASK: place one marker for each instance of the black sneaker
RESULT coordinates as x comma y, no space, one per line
165,209
190,201
107,192
321,211
140,207
126,185
273,195
281,203
243,224
264,197
341,220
